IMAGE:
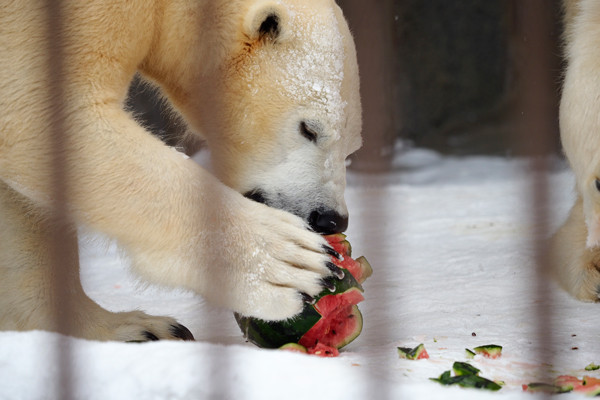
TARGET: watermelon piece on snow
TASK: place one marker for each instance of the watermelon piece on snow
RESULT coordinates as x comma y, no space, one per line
567,383
489,350
417,353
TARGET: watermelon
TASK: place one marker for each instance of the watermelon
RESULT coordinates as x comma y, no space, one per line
467,380
567,383
294,348
591,386
359,268
592,367
489,350
330,322
463,368
540,387
470,354
417,353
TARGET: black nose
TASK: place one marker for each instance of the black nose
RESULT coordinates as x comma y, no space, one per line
328,222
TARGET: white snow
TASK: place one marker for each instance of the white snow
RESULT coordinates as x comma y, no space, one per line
450,241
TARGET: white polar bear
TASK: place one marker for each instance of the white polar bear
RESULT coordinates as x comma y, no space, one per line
576,246
273,88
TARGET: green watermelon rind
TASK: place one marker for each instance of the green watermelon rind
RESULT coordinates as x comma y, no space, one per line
274,334
592,367
294,347
463,368
467,381
470,354
541,387
365,268
411,353
492,350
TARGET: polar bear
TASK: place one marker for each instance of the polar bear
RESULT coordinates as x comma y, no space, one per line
575,248
272,87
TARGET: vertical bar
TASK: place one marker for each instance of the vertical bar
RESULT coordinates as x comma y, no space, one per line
60,239
372,26
538,108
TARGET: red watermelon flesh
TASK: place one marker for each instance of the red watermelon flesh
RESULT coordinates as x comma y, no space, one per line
359,268
341,316
322,350
587,385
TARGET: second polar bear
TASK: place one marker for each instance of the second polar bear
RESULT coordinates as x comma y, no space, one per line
576,246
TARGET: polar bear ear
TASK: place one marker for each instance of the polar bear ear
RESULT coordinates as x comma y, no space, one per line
266,20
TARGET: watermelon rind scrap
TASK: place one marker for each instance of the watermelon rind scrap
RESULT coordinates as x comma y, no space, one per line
365,267
411,353
489,350
295,347
592,367
463,368
567,383
541,387
467,381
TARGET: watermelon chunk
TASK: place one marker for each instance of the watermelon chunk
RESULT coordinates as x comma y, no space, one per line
591,386
566,383
489,350
359,268
467,381
592,367
470,354
540,387
463,368
322,350
294,348
329,324
417,353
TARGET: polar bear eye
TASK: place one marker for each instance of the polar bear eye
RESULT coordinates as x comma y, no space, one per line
308,132
597,184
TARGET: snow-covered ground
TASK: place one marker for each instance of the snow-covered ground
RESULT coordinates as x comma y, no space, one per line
450,241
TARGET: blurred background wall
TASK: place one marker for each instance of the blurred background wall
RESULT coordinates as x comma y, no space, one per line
452,75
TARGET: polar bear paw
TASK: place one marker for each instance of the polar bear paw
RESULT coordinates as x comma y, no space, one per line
274,269
137,326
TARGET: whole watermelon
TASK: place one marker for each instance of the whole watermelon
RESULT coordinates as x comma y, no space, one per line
329,324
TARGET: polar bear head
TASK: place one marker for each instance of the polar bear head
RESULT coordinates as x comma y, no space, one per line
283,111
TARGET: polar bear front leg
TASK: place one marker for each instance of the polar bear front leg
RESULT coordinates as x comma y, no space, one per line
576,266
180,224
29,293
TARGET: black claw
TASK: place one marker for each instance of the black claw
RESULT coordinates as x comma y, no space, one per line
329,250
337,271
329,284
181,332
150,336
308,299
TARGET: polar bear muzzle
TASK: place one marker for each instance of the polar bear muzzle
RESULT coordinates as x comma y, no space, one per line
327,222
321,220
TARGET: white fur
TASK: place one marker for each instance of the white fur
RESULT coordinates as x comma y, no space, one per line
575,247
244,92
